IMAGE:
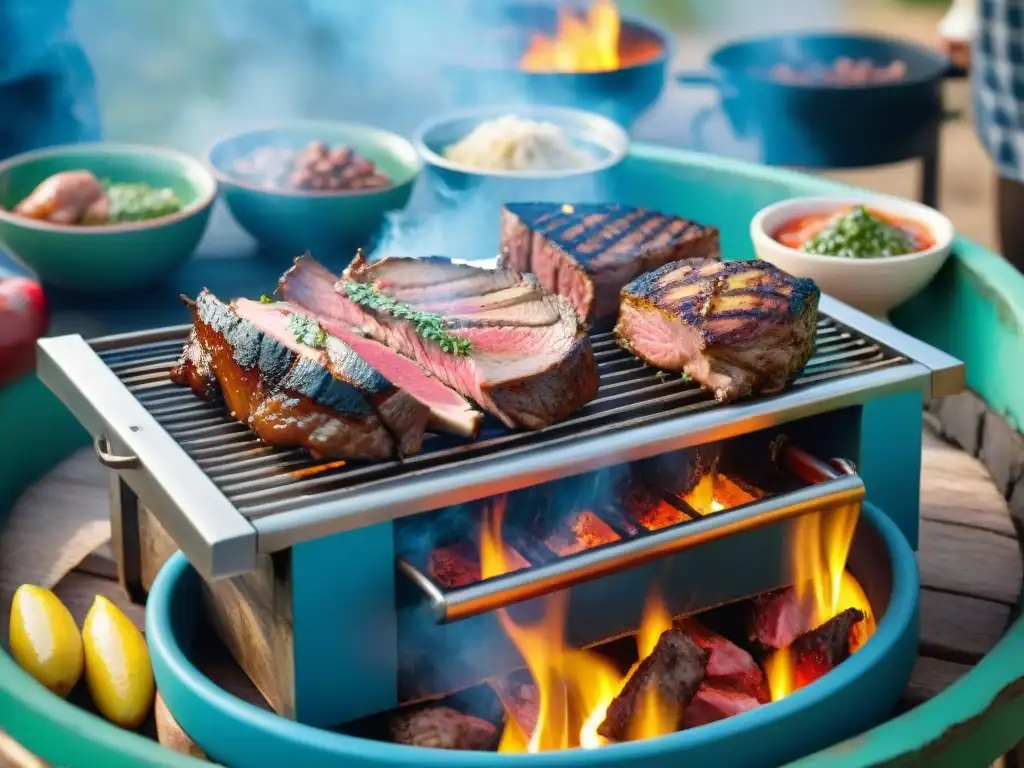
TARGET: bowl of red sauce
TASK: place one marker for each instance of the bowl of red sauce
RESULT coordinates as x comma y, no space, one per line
873,253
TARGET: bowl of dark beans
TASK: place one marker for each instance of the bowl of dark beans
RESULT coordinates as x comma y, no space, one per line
324,187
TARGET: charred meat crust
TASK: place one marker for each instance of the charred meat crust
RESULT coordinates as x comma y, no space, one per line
193,369
649,293
588,252
735,327
285,398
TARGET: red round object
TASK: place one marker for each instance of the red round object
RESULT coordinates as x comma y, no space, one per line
23,319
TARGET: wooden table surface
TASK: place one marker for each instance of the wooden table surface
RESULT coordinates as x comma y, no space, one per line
969,558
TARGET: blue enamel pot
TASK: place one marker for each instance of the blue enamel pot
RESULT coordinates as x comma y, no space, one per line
819,125
487,70
857,695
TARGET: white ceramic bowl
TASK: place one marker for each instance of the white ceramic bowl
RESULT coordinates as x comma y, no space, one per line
871,285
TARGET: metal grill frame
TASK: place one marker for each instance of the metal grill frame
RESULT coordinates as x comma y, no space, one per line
221,540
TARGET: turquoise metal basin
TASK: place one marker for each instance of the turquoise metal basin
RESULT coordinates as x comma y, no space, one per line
857,695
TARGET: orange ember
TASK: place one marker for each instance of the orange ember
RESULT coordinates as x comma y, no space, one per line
821,544
658,514
587,43
716,492
586,531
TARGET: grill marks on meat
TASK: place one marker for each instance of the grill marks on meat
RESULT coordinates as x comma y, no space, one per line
588,252
286,393
672,673
735,327
532,363
310,285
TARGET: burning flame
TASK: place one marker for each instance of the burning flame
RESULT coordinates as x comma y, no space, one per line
574,686
588,43
824,588
703,498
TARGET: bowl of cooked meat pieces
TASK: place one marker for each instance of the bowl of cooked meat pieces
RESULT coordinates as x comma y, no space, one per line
317,186
104,217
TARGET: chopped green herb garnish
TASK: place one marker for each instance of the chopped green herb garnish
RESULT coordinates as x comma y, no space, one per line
428,325
859,235
264,299
140,202
307,331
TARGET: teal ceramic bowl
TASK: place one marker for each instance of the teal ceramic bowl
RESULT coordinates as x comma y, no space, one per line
116,257
852,698
292,222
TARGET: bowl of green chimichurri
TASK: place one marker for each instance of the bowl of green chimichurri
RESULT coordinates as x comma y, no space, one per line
103,217
873,253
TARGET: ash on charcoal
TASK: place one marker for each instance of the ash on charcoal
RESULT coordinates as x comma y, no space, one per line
821,650
442,727
718,699
675,670
521,700
650,509
454,565
733,681
779,618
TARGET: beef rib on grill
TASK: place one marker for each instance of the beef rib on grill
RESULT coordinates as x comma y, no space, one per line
312,285
736,327
588,252
531,362
313,392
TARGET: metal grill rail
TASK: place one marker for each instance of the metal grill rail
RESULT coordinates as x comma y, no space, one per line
260,480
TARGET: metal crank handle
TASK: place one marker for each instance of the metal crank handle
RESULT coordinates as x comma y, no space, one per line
111,460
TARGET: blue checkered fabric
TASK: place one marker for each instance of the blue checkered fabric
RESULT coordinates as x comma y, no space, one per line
997,68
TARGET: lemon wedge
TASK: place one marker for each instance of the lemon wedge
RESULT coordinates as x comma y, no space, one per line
117,667
44,638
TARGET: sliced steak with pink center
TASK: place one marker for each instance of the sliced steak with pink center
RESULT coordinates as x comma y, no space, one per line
736,327
450,412
403,416
287,396
531,363
588,252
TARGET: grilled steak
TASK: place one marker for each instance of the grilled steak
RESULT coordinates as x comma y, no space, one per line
402,415
587,253
313,285
286,392
531,363
735,327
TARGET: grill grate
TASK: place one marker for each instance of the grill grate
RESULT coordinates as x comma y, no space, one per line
260,480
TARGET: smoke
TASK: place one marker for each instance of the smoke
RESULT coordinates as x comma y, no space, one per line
182,74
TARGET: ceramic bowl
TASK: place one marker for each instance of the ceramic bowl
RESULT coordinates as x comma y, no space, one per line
291,222
115,257
471,199
874,286
606,141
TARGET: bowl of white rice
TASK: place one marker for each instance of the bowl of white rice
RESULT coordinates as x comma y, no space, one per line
515,153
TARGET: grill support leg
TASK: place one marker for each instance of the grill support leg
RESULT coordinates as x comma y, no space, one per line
125,539
890,459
